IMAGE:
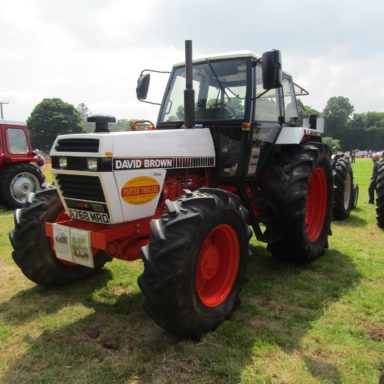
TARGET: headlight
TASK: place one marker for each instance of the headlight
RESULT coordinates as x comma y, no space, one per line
92,164
63,162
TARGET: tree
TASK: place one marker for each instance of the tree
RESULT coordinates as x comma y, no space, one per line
332,143
84,113
367,130
124,125
50,118
337,114
306,110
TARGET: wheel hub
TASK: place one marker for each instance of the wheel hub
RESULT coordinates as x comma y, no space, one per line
316,204
217,265
209,263
21,185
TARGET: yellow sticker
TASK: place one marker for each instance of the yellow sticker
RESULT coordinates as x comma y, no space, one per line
140,190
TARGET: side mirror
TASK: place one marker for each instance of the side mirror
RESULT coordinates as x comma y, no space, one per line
272,73
142,86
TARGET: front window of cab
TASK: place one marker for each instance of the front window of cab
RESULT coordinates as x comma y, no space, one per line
220,90
17,141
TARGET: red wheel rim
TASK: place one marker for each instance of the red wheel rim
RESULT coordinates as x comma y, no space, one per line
217,265
316,204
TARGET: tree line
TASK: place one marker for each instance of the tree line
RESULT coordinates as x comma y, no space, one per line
347,129
344,129
53,117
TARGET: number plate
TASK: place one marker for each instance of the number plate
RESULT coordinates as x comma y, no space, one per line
94,217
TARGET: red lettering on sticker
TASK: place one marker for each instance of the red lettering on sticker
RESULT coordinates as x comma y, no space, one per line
141,190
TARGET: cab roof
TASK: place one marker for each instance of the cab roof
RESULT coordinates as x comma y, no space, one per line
300,91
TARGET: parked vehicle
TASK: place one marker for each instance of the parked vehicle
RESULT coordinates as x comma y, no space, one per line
19,165
346,193
228,154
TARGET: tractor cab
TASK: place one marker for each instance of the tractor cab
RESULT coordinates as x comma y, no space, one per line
243,99
15,145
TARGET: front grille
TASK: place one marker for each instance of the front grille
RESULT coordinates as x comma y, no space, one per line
77,145
81,187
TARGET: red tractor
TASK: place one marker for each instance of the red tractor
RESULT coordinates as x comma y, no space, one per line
229,155
19,165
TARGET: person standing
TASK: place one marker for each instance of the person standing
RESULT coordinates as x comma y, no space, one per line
372,186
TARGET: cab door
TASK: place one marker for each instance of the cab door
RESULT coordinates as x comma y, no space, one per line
267,118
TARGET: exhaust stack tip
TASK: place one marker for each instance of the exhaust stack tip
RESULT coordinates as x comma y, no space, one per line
189,93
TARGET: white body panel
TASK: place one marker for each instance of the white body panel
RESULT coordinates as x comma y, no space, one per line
132,190
294,135
175,142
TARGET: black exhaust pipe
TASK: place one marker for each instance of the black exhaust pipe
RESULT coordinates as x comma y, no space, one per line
189,93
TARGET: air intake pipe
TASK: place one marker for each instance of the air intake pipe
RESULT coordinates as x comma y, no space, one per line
101,122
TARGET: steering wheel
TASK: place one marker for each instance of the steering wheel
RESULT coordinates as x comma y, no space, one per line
226,107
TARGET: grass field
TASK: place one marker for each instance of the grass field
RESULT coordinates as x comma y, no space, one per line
323,323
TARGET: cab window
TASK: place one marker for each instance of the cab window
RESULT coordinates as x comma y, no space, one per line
267,108
17,141
291,116
220,89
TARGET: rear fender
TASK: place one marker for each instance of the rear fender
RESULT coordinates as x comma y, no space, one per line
296,135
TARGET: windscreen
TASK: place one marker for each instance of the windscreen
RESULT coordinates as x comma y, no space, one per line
17,141
220,89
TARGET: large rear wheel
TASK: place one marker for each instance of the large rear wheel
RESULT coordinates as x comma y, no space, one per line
300,195
195,262
33,251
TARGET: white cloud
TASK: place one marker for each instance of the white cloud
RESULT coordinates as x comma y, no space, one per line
92,51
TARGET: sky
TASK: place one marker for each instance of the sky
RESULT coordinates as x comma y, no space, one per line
92,51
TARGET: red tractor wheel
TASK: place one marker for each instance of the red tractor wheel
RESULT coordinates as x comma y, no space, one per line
316,204
299,197
195,262
217,265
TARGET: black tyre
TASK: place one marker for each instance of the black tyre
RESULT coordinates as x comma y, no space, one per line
195,262
17,181
380,196
33,251
300,195
342,188
355,195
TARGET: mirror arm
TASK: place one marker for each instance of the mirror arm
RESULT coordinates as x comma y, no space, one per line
153,70
149,102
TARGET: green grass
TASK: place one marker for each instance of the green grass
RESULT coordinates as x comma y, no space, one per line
323,323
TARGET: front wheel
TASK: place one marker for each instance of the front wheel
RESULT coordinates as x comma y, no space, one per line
33,251
195,262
